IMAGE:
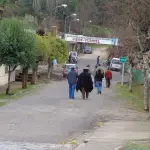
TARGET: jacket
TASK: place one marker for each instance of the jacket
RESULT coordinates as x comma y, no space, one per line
85,81
99,76
72,77
99,68
108,74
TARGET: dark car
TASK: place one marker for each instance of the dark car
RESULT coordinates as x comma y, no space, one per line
67,68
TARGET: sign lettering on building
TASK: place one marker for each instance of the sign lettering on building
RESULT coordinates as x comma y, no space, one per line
92,40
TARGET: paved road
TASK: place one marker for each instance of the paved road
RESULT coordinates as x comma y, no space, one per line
46,118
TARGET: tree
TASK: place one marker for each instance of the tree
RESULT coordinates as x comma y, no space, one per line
3,4
41,54
137,15
57,49
15,45
29,56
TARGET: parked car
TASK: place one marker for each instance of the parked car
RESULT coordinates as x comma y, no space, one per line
115,64
87,50
67,68
74,56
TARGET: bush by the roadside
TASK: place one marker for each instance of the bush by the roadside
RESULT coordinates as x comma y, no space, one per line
134,99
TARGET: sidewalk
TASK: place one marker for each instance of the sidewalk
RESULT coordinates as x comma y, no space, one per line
112,135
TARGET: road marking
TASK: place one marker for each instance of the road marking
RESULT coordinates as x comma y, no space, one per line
9,145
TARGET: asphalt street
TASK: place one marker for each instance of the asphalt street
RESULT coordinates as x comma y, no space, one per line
46,118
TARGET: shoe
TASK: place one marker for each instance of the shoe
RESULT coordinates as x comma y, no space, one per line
100,92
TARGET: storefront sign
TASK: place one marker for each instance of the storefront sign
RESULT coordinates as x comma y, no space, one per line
94,40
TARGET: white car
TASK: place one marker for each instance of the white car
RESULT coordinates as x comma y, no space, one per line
115,64
74,55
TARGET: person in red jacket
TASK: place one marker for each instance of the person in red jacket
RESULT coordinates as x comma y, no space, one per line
108,77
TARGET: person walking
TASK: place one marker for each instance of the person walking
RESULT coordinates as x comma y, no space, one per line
108,77
70,58
72,81
94,73
98,78
85,83
98,60
89,68
100,68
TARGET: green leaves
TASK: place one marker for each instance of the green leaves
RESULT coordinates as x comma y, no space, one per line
17,45
50,47
3,3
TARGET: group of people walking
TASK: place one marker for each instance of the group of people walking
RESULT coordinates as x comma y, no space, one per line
84,83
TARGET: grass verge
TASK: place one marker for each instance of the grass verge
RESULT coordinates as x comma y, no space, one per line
17,93
135,146
133,99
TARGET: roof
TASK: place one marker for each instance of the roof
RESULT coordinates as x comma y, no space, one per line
71,64
116,58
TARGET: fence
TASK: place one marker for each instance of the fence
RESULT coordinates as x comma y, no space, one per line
137,74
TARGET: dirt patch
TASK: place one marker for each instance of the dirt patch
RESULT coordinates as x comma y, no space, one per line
102,52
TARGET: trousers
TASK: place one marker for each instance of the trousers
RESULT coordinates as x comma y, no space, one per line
108,83
99,86
72,88
84,93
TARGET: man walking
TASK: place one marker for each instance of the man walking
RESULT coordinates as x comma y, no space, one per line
72,81
98,60
70,58
85,84
94,73
108,77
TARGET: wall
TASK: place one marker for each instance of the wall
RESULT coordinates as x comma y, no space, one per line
4,76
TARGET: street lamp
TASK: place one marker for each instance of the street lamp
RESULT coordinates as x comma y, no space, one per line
66,21
62,5
71,22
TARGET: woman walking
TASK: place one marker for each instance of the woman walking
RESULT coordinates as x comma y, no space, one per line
84,83
98,79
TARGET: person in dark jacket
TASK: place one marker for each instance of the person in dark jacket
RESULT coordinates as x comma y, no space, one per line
98,60
94,73
72,81
89,67
98,78
85,83
70,58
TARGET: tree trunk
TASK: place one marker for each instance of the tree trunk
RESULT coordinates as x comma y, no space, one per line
49,69
34,75
24,77
8,85
130,78
146,105
149,97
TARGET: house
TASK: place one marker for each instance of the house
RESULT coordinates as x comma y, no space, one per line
4,75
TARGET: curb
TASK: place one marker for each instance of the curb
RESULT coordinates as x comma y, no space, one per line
118,148
81,146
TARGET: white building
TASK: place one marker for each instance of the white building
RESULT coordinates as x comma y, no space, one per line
4,75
